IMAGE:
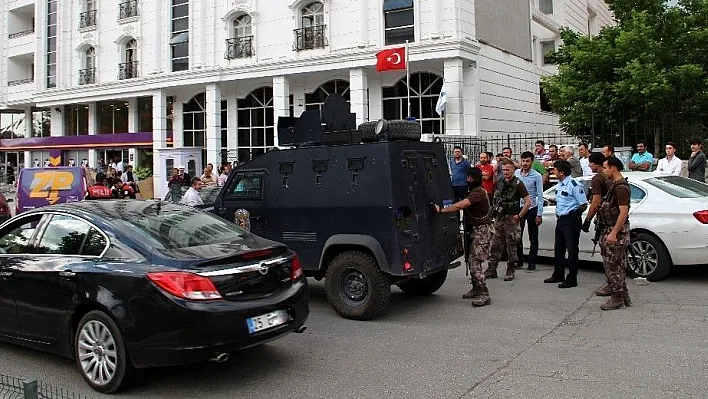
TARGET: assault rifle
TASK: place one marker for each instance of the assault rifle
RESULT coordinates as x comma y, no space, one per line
596,239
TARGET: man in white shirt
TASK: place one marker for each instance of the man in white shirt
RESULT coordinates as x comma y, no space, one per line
584,154
191,197
671,165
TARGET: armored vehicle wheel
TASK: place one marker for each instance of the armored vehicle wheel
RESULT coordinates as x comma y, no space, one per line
425,286
368,132
403,130
356,288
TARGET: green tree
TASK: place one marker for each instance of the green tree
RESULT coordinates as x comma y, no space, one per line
645,78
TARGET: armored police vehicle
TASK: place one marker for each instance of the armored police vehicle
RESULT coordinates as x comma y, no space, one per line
355,204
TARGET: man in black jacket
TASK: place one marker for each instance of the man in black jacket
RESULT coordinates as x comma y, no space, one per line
697,161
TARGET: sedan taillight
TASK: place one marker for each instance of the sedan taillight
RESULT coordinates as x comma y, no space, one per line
295,269
701,216
185,285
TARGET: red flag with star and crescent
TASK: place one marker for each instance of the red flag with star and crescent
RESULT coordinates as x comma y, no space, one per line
391,59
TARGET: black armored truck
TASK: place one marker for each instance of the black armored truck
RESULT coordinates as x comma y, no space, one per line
354,203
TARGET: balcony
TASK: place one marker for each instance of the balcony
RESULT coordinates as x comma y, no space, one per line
239,47
87,76
310,38
87,19
128,9
128,70
20,82
25,32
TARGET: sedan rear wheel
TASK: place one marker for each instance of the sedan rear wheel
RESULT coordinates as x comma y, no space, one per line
648,258
100,353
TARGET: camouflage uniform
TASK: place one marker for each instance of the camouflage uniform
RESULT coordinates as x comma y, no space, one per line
614,256
507,232
479,253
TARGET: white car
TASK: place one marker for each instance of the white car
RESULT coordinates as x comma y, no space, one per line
668,218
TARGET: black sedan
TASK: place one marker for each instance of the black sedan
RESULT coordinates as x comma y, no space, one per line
122,285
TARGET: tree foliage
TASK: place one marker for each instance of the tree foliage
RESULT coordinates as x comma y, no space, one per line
647,74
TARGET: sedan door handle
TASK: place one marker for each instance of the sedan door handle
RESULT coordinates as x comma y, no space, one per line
5,274
67,273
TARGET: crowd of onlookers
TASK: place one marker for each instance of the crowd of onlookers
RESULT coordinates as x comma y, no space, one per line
544,157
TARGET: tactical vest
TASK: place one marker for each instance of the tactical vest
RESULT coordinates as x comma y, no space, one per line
609,209
505,197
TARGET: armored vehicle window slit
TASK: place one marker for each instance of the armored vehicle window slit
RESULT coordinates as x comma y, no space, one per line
247,186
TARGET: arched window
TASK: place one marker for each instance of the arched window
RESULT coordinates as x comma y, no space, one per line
256,124
90,58
425,91
241,44
128,69
315,99
243,26
194,121
311,34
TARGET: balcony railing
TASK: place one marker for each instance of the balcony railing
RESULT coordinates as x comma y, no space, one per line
20,82
20,34
87,19
239,47
128,70
128,9
87,76
310,38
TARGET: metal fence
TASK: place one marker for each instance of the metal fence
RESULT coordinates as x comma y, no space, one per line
473,146
16,388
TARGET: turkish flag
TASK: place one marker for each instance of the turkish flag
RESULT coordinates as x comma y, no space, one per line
391,59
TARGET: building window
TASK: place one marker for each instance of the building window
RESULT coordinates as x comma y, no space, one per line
88,18
241,44
145,114
424,92
179,43
41,122
224,132
87,75
51,44
194,115
12,125
311,34
128,9
128,69
546,6
399,21
76,120
315,100
547,48
112,117
256,124
545,104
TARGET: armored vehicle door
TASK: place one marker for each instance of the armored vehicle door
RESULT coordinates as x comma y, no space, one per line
424,179
244,190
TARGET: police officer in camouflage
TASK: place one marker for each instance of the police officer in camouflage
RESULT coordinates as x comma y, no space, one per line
507,212
477,233
613,215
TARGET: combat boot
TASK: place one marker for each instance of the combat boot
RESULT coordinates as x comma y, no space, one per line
509,275
615,302
471,294
490,273
483,298
605,290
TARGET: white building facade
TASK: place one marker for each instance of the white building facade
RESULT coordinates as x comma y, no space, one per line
97,79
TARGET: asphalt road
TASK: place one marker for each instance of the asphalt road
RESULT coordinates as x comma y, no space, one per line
534,341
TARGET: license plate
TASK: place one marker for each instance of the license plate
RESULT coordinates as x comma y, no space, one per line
266,321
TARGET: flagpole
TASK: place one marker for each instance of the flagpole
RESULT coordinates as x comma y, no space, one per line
408,81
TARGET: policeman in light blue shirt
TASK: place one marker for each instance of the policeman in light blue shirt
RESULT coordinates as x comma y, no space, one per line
534,185
571,201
